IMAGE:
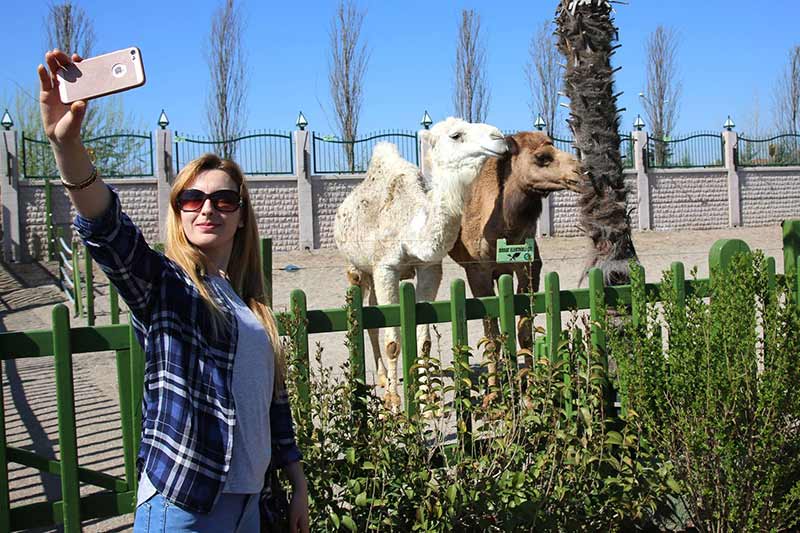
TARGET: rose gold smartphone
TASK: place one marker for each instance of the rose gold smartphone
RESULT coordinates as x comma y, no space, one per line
101,75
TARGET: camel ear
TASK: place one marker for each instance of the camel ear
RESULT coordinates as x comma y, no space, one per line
513,147
427,138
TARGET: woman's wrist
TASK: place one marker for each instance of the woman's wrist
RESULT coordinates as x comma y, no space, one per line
294,471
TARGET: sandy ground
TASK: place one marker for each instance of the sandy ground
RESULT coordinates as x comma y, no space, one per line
27,294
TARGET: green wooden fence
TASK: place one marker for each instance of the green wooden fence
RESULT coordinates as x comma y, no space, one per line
62,342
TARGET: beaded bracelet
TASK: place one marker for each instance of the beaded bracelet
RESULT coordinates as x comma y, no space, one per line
82,185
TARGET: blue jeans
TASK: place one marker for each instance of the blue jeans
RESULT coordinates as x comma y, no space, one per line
233,513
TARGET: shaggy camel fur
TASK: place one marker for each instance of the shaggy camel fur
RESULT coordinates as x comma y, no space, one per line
398,223
505,203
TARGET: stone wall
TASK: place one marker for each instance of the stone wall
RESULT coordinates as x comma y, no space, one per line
689,199
564,208
328,193
275,203
137,195
769,196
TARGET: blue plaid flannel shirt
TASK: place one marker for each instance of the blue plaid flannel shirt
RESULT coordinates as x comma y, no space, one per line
188,411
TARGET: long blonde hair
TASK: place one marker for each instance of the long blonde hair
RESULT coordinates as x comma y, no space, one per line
244,268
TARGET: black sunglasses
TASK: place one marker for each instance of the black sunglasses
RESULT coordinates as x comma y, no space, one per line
224,200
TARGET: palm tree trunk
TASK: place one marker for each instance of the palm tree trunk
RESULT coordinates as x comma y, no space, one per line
585,35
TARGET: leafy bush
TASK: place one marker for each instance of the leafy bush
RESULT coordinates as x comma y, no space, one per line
718,397
543,453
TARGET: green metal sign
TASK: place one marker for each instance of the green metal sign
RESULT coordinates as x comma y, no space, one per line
514,253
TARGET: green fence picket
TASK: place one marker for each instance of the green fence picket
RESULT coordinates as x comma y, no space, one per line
5,501
67,433
76,281
137,389
266,268
552,305
48,220
679,285
123,363
113,303
505,293
299,313
356,340
462,374
408,343
791,251
90,315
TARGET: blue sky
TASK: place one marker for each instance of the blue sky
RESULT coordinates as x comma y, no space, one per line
731,53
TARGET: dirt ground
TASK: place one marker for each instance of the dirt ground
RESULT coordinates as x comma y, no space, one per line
27,294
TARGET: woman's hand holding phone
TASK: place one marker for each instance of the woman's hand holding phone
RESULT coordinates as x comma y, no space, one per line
62,123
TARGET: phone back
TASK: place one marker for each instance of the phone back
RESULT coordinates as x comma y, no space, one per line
101,75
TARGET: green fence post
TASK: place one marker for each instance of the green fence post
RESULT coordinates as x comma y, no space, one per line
458,319
300,318
772,279
638,296
791,251
679,285
356,340
67,433
266,268
113,303
721,253
597,302
76,280
408,343
48,220
89,287
137,389
5,502
552,306
123,360
505,286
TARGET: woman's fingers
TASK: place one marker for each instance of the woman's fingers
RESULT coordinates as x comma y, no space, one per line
78,110
76,58
45,84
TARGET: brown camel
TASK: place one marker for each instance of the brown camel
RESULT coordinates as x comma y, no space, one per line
505,203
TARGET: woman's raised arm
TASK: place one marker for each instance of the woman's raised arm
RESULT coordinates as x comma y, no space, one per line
62,124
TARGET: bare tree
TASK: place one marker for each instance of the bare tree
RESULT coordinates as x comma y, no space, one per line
226,104
347,65
787,95
471,94
663,90
586,33
69,28
544,77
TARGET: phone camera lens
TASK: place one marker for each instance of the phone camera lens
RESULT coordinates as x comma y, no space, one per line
133,52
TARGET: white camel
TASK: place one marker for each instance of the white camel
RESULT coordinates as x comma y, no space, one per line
398,223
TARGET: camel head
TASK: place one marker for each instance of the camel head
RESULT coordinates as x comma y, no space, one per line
538,166
458,149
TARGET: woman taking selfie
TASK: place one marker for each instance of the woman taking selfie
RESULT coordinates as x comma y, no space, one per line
214,410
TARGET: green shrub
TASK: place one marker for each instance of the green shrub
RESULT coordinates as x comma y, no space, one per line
718,397
543,453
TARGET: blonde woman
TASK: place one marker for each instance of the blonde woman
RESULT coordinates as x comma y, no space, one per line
214,413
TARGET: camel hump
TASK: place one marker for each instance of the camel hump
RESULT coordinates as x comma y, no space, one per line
388,164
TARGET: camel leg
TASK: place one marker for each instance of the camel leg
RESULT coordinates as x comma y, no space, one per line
364,280
429,277
481,284
387,291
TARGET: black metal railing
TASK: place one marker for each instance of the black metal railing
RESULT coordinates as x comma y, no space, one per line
780,150
122,154
334,156
704,149
260,152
